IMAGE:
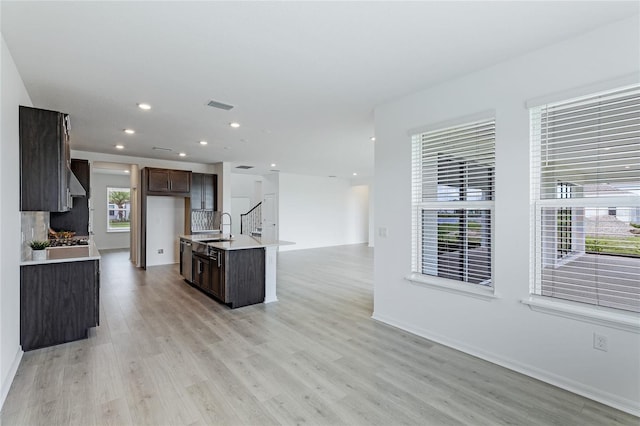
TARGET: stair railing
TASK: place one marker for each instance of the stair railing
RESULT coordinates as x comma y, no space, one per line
251,221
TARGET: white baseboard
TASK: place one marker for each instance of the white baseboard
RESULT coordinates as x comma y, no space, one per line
9,379
615,401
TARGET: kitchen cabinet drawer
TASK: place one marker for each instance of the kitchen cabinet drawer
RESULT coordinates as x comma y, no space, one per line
166,181
44,160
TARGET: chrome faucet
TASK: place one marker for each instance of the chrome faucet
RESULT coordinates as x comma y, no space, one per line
222,223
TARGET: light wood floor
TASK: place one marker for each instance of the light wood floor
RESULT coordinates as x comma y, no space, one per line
165,354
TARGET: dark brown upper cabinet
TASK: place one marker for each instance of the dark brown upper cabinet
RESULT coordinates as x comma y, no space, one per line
44,160
168,182
204,191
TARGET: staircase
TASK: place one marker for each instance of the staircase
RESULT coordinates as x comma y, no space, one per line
251,222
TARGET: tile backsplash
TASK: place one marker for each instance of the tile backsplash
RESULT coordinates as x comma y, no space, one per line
34,226
202,220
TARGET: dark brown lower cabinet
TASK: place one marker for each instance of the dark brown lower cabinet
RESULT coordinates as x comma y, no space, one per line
59,302
244,277
201,275
235,277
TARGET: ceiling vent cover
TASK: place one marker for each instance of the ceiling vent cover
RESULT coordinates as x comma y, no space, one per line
157,148
244,167
220,105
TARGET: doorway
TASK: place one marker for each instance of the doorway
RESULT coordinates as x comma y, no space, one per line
270,217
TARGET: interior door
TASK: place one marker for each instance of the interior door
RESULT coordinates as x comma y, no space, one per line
270,217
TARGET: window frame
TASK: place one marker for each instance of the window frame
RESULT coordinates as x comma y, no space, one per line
110,229
461,202
578,204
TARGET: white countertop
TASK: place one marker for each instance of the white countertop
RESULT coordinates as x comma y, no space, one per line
66,254
237,242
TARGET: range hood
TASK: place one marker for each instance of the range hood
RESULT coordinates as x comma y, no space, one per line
75,187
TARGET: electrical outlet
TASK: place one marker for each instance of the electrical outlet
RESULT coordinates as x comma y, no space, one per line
382,232
600,342
160,251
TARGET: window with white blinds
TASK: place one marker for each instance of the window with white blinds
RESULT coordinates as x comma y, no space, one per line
452,202
586,199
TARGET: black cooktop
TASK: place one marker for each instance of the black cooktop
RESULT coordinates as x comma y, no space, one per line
62,242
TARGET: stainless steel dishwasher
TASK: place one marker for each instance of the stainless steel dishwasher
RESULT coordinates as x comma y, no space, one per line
185,260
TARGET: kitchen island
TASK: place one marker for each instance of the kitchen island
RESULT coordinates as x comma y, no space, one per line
238,271
59,296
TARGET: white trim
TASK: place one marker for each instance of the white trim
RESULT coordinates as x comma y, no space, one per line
467,119
625,321
456,205
576,92
10,376
119,230
452,286
626,201
626,405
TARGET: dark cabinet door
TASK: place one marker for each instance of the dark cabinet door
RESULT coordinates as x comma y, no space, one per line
202,272
169,181
58,302
209,192
196,191
179,181
44,160
203,191
217,274
158,180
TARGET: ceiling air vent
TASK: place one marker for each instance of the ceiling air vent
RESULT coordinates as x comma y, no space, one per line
157,148
244,167
220,105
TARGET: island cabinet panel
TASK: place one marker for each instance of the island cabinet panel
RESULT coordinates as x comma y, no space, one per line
235,277
59,302
44,160
169,182
244,274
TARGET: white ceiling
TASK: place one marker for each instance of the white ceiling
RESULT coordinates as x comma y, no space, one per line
304,77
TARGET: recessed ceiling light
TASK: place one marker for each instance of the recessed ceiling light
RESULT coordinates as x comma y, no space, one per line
145,107
273,164
119,146
373,138
182,154
355,174
203,142
234,125
129,131
126,171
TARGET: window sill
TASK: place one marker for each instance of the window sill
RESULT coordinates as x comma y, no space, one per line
456,287
109,231
627,321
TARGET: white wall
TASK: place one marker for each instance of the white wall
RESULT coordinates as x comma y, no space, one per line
319,211
99,184
165,222
244,185
503,330
12,94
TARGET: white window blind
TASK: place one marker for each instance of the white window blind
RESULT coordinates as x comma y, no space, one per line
452,200
586,198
